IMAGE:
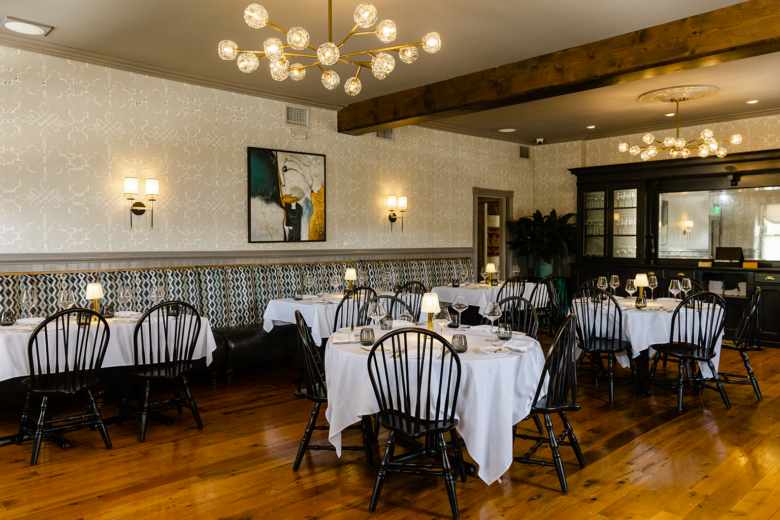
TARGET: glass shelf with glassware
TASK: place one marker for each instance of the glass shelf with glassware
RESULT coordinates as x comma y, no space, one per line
594,223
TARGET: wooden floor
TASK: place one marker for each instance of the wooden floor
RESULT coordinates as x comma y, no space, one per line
644,460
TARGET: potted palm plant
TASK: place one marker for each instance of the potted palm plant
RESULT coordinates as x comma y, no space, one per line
546,237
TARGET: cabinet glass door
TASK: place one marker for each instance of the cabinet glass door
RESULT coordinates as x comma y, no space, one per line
594,225
624,226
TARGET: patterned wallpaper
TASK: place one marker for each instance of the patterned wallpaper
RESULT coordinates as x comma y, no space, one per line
556,188
70,132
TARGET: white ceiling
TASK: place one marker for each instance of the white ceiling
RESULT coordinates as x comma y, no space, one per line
181,38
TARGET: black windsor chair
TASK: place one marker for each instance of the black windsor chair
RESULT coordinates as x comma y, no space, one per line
600,332
518,315
394,307
65,353
559,380
412,293
163,345
417,397
514,286
747,338
697,324
312,386
348,311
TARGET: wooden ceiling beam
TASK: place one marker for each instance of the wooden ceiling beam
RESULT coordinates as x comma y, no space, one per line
732,33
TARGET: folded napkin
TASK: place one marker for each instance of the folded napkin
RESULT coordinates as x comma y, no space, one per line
127,314
342,337
517,345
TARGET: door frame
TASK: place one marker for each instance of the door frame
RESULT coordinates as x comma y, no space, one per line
506,209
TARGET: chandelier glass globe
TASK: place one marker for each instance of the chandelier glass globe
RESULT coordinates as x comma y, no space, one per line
256,16
736,139
431,42
634,150
704,150
298,38
296,75
669,141
273,48
279,68
352,86
382,64
228,50
247,62
365,15
721,152
330,79
623,147
386,31
408,55
648,138
707,133
679,142
328,53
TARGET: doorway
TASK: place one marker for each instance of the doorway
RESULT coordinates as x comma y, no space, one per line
491,208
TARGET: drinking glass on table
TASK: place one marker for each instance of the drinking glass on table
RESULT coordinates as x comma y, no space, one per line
614,282
308,281
652,282
65,299
376,311
29,299
335,281
484,275
157,295
464,277
129,295
363,279
405,316
685,286
442,318
630,287
387,280
492,313
602,283
515,270
460,304
674,287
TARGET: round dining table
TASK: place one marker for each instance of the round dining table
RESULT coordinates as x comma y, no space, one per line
496,392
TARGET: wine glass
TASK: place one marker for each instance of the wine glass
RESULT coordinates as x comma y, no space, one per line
492,313
674,287
156,295
686,286
464,277
484,275
614,282
387,280
630,287
363,279
65,299
515,270
460,304
652,282
308,281
602,283
376,311
335,281
405,316
29,298
442,318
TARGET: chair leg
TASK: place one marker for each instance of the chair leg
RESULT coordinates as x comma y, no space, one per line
307,436
380,477
575,444
144,406
652,374
368,440
449,477
680,384
25,418
751,375
123,404
459,454
193,406
177,395
38,438
99,421
720,385
632,366
538,423
556,453
611,367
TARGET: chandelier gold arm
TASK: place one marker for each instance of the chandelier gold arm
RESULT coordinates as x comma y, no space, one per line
358,63
396,48
261,53
299,55
305,66
358,72
347,36
276,27
330,21
320,66
363,33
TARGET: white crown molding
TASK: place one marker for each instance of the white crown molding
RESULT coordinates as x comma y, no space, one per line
103,60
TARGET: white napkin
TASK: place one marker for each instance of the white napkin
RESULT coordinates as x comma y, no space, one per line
341,337
29,321
127,314
517,345
485,328
17,328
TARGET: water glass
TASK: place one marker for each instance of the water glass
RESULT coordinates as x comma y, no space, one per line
335,281
652,282
460,304
65,299
363,278
602,283
29,299
614,282
442,318
459,343
376,311
7,318
492,313
308,281
630,287
366,337
674,287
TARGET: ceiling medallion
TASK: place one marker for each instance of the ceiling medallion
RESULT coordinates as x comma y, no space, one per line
328,53
678,147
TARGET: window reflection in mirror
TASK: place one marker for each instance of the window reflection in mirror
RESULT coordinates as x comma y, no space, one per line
694,224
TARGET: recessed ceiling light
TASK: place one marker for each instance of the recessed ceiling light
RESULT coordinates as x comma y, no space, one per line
591,127
507,130
669,115
753,102
25,27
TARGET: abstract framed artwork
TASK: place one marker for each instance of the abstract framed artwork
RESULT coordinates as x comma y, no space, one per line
286,196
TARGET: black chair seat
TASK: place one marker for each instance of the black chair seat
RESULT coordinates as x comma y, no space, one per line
542,407
313,393
684,350
160,371
60,389
396,422
599,345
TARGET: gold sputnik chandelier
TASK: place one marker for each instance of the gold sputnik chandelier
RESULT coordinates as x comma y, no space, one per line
678,147
382,63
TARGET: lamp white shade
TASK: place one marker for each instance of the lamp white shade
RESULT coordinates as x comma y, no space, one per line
641,281
131,186
430,303
350,274
152,187
402,203
391,202
94,291
491,268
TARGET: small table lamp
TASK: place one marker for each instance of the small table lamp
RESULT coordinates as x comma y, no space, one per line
350,276
94,292
490,269
430,304
640,282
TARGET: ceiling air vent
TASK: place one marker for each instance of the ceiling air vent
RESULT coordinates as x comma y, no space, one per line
525,152
297,116
385,134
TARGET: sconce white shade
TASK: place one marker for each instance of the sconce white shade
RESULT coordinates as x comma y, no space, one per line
391,202
688,224
152,187
402,203
351,274
491,268
430,303
94,291
641,281
131,186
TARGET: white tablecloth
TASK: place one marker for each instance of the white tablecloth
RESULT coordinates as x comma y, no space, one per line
652,327
478,295
495,393
14,360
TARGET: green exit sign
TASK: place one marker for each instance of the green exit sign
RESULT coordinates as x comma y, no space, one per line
716,210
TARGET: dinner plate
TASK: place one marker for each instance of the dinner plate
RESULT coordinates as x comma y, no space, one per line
350,329
320,302
495,351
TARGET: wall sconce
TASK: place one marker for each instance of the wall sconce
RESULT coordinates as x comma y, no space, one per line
687,229
394,203
139,208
